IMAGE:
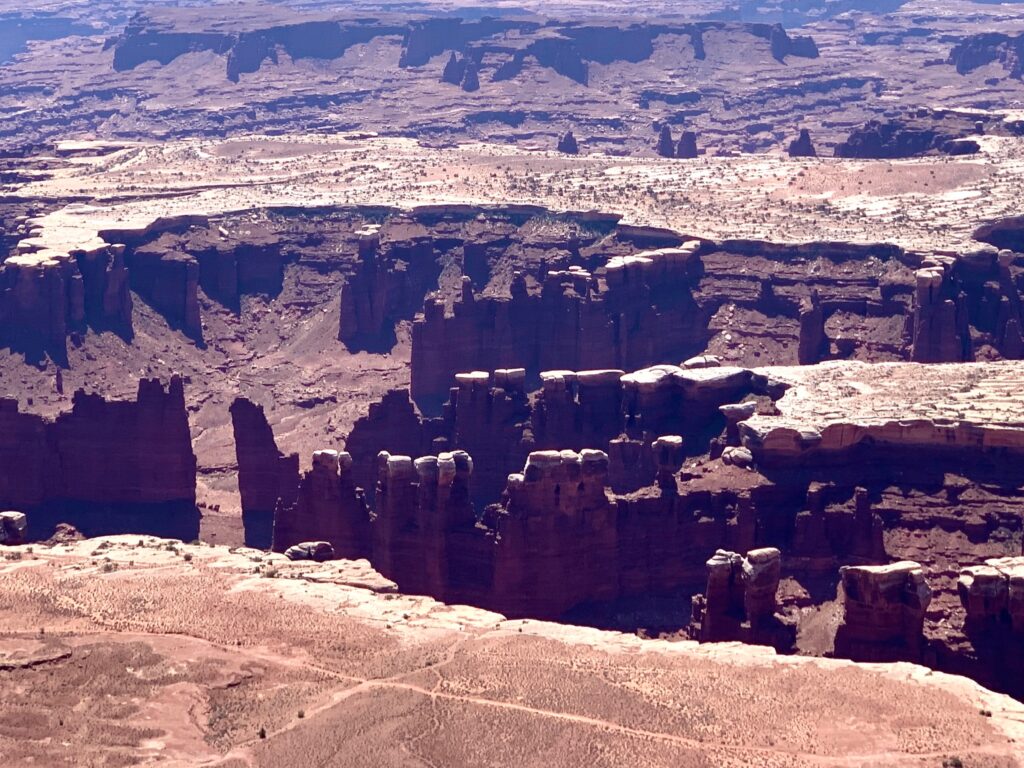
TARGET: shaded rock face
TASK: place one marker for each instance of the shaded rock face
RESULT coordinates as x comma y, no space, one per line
665,145
266,477
979,50
41,303
992,596
150,37
783,45
565,48
493,419
328,503
883,612
397,266
907,137
567,144
964,304
470,77
670,306
802,146
454,70
590,463
814,344
104,466
13,528
687,146
575,321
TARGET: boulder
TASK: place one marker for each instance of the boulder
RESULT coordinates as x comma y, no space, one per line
13,528
319,551
737,456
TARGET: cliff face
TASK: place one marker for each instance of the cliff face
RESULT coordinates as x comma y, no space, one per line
328,503
883,612
103,466
266,477
740,601
156,37
577,321
565,48
979,50
992,596
44,297
909,137
614,486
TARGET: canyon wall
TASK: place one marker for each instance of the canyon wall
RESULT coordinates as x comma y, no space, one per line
105,466
597,487
45,297
565,48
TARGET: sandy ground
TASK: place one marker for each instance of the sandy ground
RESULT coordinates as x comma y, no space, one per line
129,650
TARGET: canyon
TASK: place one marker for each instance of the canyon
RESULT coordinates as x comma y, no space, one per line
535,383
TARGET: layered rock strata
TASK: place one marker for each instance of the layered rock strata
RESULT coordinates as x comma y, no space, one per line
46,296
883,612
578,320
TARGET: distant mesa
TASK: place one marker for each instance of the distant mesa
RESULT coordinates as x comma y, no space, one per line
911,136
162,36
976,51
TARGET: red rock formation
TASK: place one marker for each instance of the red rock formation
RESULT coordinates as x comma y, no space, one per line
883,612
940,319
45,297
739,602
802,146
557,534
169,281
328,507
391,423
397,266
814,343
104,466
992,596
422,509
687,146
567,144
577,320
666,145
266,477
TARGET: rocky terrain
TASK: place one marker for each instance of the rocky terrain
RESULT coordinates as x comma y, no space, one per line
136,649
371,375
